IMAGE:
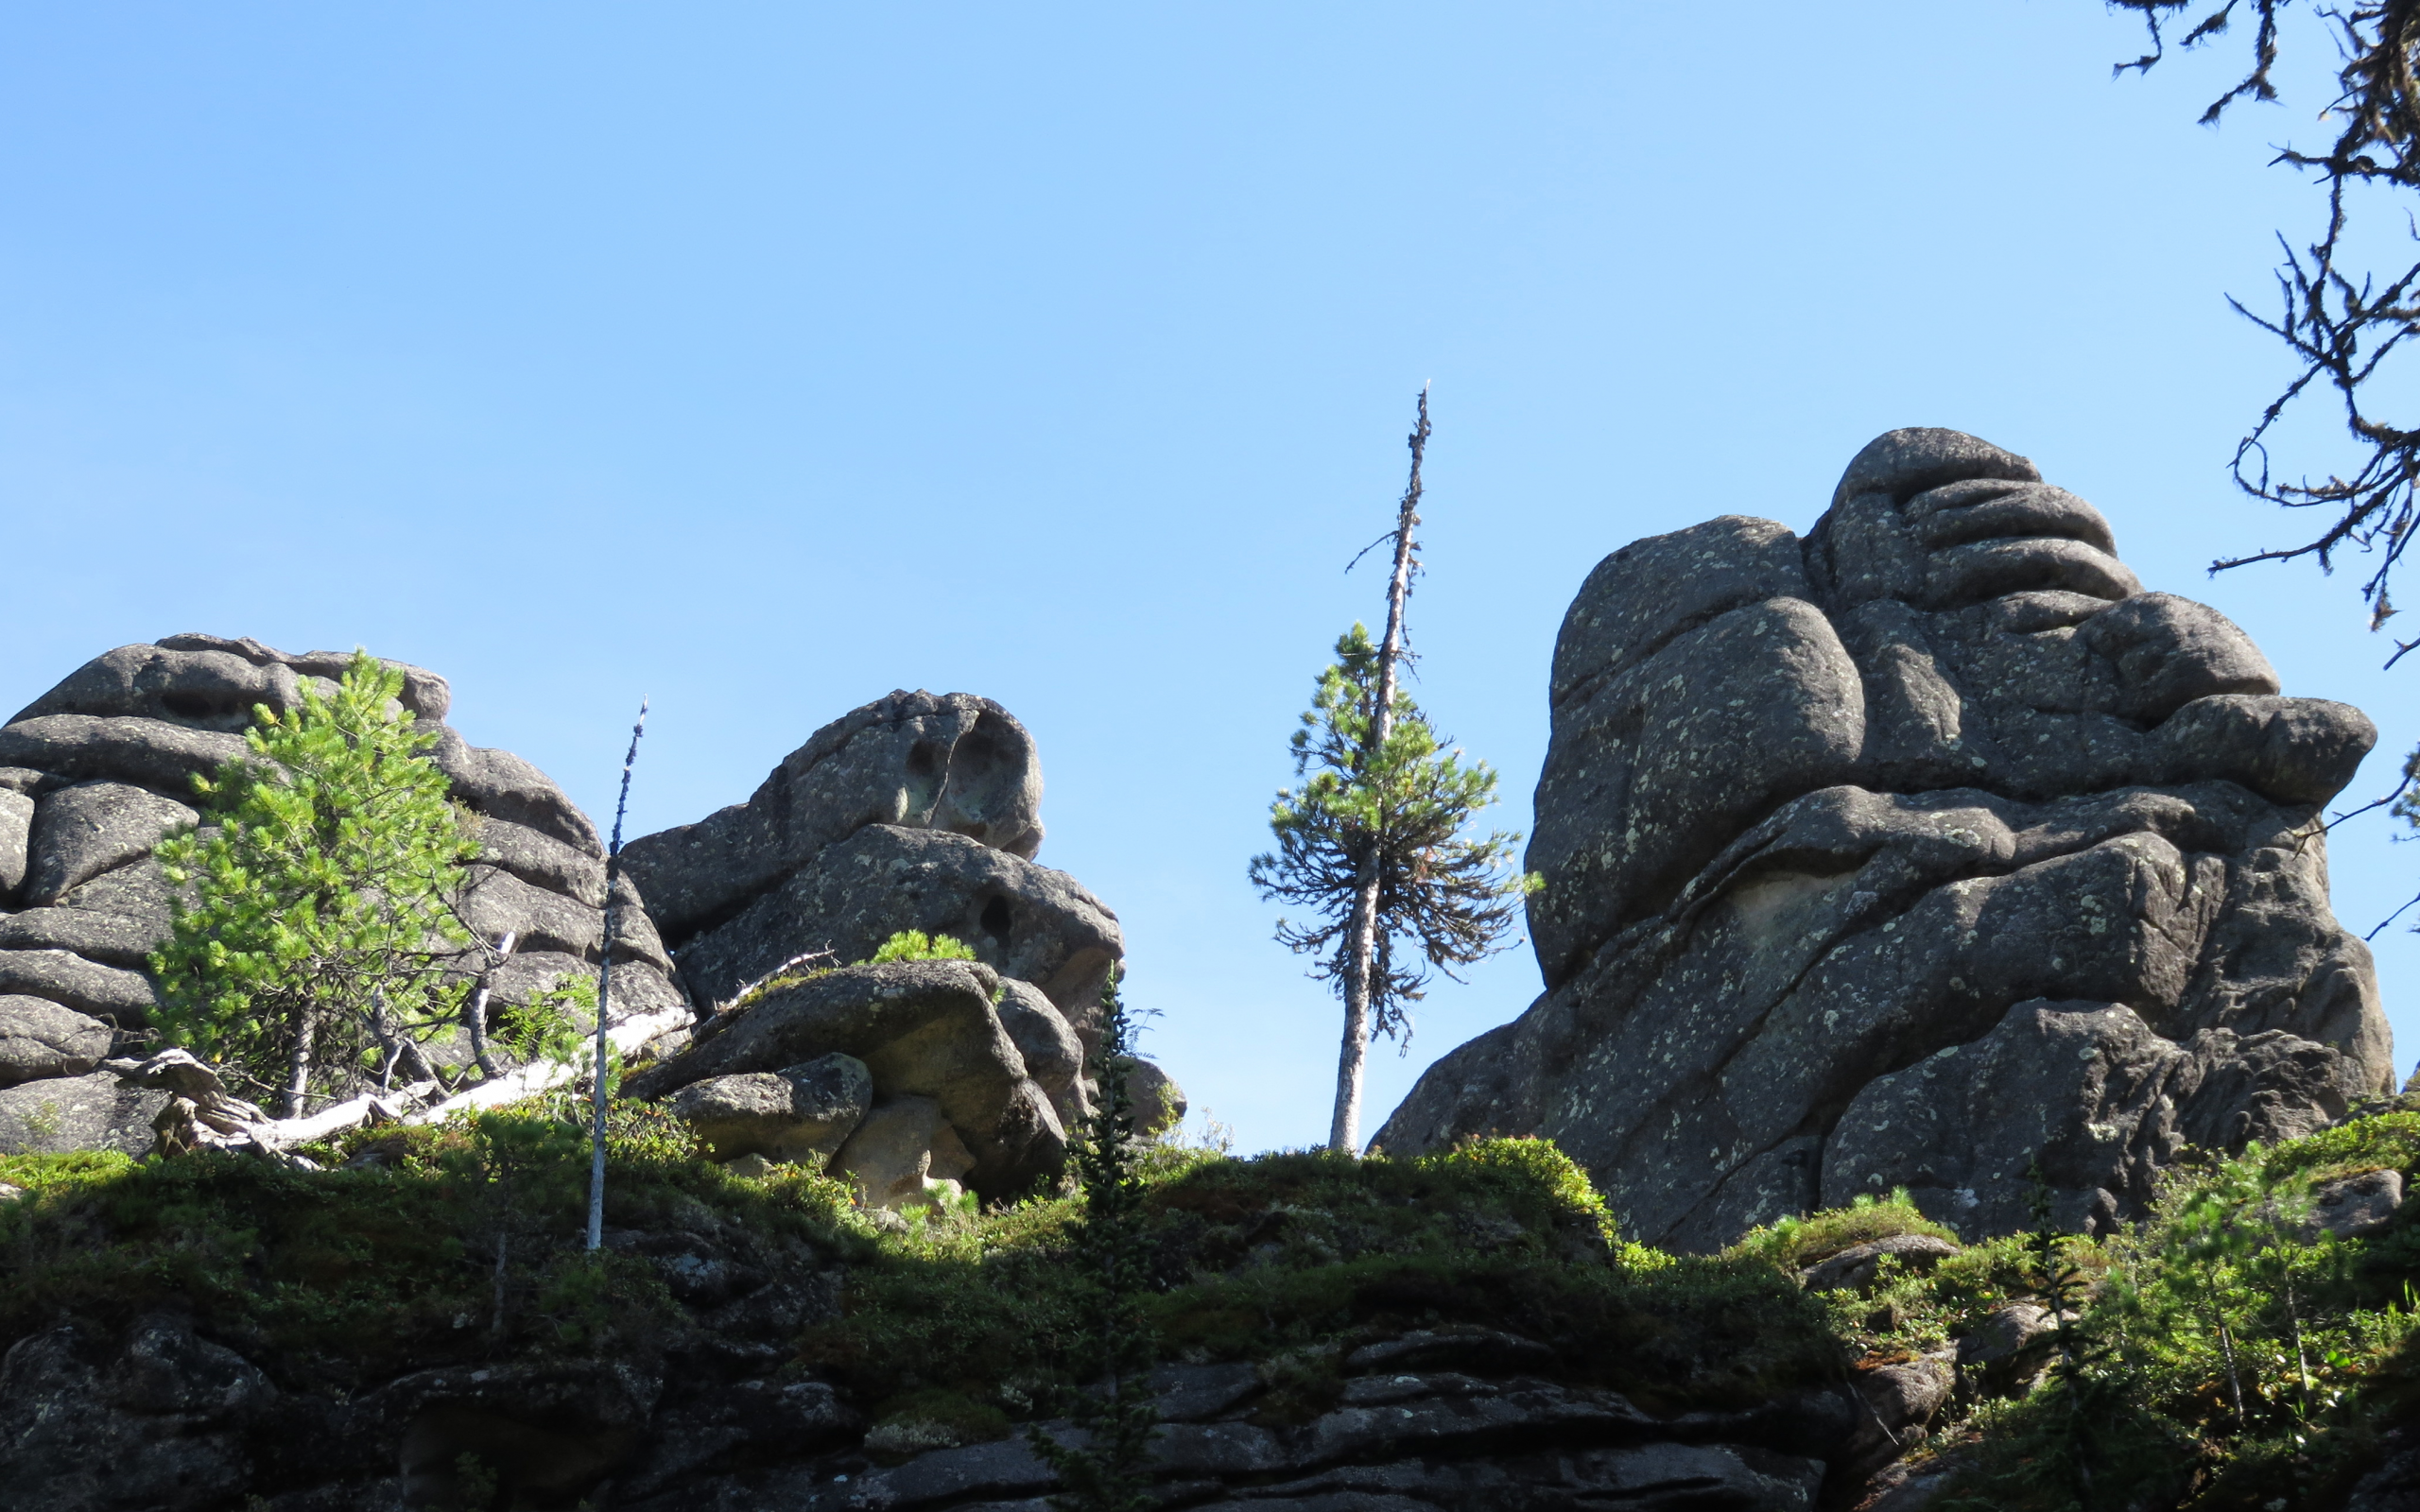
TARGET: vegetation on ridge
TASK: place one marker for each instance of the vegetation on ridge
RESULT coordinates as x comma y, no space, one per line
2227,1356
2227,1352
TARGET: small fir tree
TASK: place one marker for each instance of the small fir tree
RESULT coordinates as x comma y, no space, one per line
1111,1472
313,925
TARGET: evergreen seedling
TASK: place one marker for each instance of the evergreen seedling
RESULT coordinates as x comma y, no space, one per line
1110,1470
2065,1288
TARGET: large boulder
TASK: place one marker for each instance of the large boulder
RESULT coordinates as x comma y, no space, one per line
916,812
158,1419
797,1113
1023,920
39,1038
52,1116
926,1029
1911,851
950,761
97,771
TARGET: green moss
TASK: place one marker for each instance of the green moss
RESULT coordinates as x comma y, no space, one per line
1300,1256
1801,1242
915,945
345,1274
965,1418
383,1262
41,1173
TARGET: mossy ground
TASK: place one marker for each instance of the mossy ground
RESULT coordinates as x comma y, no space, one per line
342,1277
2225,1356
386,1263
1296,1257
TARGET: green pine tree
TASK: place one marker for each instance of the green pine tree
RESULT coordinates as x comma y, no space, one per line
1372,838
1377,827
312,925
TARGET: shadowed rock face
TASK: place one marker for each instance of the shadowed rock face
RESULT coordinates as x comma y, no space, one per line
1909,851
927,1029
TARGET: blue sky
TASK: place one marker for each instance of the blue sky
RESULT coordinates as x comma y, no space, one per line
763,358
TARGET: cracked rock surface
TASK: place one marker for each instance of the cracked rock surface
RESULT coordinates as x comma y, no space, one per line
1899,854
918,811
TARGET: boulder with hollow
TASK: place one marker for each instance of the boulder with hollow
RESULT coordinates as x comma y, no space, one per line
926,1029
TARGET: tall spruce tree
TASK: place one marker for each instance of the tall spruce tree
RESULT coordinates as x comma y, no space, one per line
312,924
1374,837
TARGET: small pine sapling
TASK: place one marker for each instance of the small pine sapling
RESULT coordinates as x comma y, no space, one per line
915,945
519,1169
312,930
1110,1470
2066,1287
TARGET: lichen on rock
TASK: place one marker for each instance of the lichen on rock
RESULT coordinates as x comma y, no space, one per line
1909,851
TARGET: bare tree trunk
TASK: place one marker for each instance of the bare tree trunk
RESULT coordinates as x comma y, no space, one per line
382,1031
605,997
2235,1382
297,1061
475,1012
1344,1131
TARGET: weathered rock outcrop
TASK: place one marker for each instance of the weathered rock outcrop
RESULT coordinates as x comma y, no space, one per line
923,1030
954,763
917,812
1909,851
98,769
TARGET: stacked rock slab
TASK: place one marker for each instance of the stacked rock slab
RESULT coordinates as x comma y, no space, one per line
1911,852
916,812
96,770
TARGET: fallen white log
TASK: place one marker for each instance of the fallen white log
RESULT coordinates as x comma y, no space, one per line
203,1114
545,1076
383,1107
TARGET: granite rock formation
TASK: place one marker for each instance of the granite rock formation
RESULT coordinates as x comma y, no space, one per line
916,812
95,771
1908,852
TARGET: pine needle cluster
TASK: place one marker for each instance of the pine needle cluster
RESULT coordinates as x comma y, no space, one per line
1451,895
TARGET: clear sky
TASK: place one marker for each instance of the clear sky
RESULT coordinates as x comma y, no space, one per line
763,358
